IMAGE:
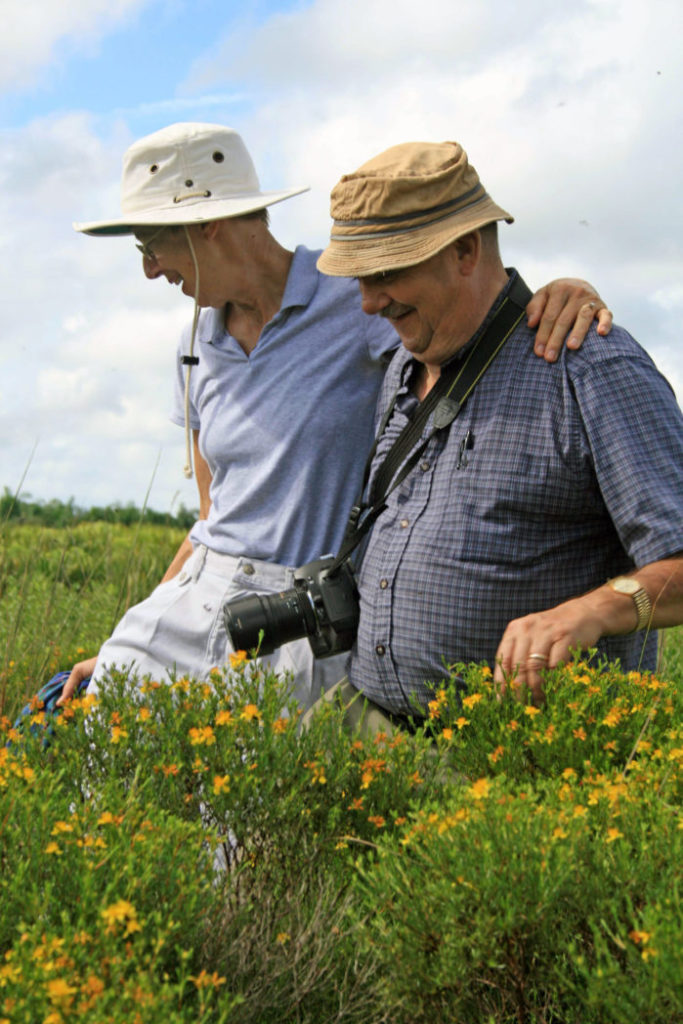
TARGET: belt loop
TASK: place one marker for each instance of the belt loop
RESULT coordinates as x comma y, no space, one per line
197,571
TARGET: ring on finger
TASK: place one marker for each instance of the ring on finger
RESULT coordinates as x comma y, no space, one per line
538,657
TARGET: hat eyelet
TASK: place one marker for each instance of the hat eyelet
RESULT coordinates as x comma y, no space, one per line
189,183
217,157
154,168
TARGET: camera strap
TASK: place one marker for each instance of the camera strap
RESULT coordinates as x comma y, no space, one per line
445,400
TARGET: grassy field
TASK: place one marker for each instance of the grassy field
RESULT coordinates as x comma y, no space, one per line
186,854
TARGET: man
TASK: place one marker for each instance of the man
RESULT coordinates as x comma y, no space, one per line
277,379
503,540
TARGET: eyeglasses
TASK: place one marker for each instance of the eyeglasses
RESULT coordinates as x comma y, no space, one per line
145,247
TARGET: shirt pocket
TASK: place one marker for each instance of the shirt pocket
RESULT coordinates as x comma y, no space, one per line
515,511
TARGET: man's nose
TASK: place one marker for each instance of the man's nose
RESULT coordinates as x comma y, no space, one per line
150,267
373,298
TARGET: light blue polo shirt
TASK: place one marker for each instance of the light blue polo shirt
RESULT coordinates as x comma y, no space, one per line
286,429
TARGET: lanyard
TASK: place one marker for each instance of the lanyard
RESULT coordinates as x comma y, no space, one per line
445,400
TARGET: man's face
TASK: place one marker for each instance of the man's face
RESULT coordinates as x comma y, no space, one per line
422,303
166,253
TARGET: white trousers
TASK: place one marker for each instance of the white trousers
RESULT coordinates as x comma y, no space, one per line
179,628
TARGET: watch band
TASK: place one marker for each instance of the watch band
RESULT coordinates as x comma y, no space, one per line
628,585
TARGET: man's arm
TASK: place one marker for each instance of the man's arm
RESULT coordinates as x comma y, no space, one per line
83,669
544,639
563,305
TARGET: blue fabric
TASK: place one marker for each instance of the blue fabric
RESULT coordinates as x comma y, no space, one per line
285,430
46,700
574,475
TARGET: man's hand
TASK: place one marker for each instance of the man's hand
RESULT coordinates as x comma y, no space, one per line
564,305
543,640
79,672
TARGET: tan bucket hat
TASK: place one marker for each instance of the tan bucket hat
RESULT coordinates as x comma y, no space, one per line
404,206
183,174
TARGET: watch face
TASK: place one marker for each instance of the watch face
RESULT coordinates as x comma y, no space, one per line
625,585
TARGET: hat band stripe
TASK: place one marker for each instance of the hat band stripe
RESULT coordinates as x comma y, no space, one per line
462,201
401,230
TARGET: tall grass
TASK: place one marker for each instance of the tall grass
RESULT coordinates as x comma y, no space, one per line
62,591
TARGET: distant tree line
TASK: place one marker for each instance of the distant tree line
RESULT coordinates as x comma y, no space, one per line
21,509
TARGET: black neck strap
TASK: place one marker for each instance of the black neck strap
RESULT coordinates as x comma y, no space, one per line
445,400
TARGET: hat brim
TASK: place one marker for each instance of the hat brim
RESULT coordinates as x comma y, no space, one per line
190,212
360,254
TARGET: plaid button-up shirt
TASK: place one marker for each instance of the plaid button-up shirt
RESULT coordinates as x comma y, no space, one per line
553,479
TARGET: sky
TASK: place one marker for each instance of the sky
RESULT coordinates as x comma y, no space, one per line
569,112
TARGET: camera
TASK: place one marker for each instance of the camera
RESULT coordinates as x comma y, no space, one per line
322,605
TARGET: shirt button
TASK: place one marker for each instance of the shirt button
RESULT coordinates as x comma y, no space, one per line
248,569
404,523
383,584
381,649
424,465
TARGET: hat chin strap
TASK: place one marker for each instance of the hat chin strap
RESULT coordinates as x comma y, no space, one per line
187,468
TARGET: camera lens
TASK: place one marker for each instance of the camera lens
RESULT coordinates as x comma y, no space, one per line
281,617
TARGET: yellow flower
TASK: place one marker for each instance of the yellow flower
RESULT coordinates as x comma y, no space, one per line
251,713
118,734
203,736
224,718
53,848
531,711
221,783
462,722
612,718
283,938
318,772
206,980
580,733
473,699
480,788
613,834
447,734
107,818
237,658
58,989
559,833
280,724
61,826
144,714
121,912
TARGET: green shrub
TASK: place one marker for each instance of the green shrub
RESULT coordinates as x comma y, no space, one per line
504,864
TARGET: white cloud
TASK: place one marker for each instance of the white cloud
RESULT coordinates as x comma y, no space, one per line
567,110
31,32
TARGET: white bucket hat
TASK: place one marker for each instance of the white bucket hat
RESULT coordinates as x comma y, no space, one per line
184,174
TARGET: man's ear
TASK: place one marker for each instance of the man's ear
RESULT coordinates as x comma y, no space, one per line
468,252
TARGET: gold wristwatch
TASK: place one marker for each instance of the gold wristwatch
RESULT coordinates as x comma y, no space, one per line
641,599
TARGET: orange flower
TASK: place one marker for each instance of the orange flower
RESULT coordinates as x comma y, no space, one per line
237,658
